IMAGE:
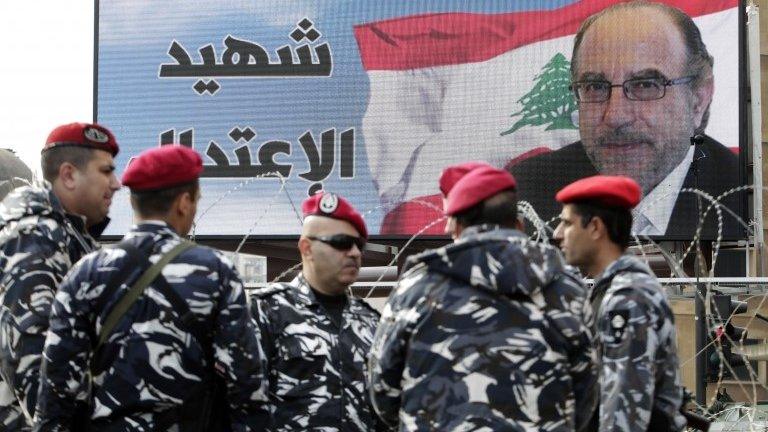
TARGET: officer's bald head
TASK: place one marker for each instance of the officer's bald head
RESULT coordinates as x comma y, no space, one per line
313,225
321,225
327,269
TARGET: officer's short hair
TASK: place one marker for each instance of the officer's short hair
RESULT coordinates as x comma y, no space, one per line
52,158
158,202
617,220
500,209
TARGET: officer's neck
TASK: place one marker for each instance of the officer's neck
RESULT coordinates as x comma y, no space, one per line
323,287
69,200
604,256
176,225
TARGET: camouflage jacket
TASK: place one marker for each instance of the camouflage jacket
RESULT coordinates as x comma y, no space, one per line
39,243
316,370
635,336
484,334
150,363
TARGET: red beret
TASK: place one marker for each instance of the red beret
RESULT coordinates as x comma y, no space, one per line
477,186
331,205
612,191
453,173
83,134
163,167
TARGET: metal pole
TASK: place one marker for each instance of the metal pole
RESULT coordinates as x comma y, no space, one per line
701,292
701,342
753,54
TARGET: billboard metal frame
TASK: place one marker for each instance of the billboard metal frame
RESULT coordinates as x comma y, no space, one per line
742,139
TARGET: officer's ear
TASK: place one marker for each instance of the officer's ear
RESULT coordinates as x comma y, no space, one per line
186,203
596,228
456,229
305,247
68,175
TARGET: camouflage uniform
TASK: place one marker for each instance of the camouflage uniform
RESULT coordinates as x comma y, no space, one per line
635,336
39,243
150,363
484,334
316,370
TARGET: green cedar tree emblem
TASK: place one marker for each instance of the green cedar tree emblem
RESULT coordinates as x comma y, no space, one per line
550,101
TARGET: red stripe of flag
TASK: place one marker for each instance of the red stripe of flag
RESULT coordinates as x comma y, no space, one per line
420,41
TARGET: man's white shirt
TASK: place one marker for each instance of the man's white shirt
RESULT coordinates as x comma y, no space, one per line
651,216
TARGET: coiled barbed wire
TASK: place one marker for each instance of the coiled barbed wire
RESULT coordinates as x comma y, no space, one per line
542,231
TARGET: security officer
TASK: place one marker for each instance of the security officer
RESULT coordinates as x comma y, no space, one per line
316,337
479,335
448,178
44,230
161,350
633,324
452,174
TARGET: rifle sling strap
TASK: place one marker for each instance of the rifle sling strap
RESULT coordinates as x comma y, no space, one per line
137,290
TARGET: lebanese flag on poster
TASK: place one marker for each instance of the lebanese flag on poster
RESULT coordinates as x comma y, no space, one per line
453,87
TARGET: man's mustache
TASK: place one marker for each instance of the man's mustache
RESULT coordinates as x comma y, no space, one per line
623,138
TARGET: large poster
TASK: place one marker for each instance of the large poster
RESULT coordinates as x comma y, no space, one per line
373,99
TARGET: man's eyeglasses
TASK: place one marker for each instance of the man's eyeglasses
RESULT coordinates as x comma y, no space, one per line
636,89
342,242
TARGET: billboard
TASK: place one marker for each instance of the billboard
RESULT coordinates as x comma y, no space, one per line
373,99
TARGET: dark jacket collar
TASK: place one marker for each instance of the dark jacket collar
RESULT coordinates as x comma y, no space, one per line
306,296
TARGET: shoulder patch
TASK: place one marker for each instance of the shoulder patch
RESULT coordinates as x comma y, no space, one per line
618,321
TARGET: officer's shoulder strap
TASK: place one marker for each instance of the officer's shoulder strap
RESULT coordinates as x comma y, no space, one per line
137,289
133,258
181,307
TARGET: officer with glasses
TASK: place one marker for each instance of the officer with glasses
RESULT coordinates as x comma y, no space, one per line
643,81
316,337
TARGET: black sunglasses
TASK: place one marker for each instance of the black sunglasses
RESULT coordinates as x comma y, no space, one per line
342,242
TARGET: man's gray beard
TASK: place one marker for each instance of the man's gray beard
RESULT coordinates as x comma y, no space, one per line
652,175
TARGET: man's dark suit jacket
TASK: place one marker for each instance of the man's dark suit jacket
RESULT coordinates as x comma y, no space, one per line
541,177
